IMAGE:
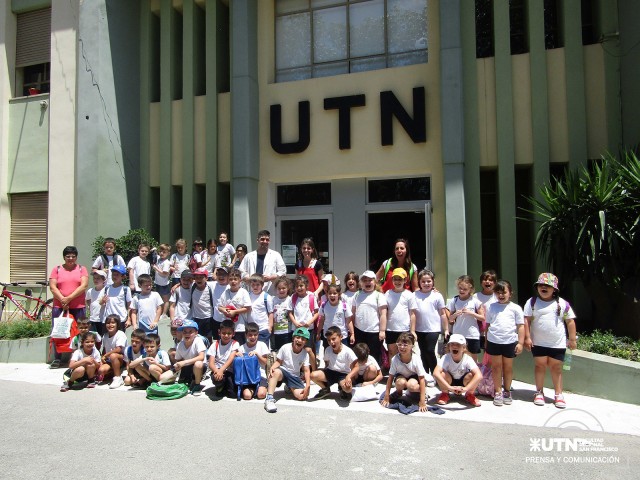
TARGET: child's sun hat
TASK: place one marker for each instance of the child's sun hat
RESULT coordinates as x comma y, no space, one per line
457,338
548,279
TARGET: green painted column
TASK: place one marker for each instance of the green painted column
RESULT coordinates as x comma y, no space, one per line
189,207
473,205
145,101
574,65
609,28
539,105
167,87
211,117
505,144
245,154
451,81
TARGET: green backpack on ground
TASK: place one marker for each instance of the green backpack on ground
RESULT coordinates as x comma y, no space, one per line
173,391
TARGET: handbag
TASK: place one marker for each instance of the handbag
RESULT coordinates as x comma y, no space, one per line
62,325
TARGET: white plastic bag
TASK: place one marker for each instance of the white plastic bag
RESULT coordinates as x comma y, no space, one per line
363,394
62,326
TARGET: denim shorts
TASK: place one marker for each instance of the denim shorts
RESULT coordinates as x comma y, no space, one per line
294,381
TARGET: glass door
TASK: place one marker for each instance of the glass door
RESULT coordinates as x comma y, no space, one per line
291,231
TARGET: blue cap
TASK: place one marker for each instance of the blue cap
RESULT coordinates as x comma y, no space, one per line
120,269
188,324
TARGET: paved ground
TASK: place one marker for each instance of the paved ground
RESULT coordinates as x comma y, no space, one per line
47,433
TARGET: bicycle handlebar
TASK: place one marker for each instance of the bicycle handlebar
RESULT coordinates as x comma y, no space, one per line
16,284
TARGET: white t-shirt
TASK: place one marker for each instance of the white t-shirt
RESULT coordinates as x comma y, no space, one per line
428,313
281,315
208,262
341,361
217,290
465,325
502,319
485,299
547,327
414,367
225,255
164,266
162,358
335,316
99,264
261,350
221,352
180,263
292,362
367,310
202,301
139,266
119,339
399,305
302,309
362,367
186,353
79,355
259,311
96,309
130,355
146,305
239,299
457,370
117,300
182,298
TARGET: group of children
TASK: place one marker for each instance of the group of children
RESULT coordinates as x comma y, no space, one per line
217,314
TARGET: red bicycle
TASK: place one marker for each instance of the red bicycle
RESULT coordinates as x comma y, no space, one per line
16,305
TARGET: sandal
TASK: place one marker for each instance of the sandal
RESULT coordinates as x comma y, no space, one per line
538,399
55,363
559,402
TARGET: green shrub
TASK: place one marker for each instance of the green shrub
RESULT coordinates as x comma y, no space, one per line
24,329
606,343
127,245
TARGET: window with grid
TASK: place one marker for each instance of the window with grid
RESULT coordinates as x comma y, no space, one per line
318,38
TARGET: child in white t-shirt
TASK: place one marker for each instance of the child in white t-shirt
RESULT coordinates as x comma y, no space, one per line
137,266
221,354
401,311
180,301
114,343
338,359
466,314
189,363
146,307
407,372
281,322
84,362
154,362
225,251
261,307
457,372
369,372
254,347
117,298
235,304
303,312
94,303
83,327
108,259
162,272
369,308
179,261
132,353
335,312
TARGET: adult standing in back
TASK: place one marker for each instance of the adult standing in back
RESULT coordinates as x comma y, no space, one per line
264,261
401,259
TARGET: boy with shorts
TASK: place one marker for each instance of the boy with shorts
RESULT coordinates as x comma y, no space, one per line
254,347
189,365
221,354
153,363
338,359
291,358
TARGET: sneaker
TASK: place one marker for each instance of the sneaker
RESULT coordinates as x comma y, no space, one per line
323,393
116,383
471,398
443,398
559,402
498,399
506,398
270,405
538,399
345,396
196,389
65,387
431,383
55,364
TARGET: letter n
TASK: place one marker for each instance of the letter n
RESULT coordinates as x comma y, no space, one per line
390,107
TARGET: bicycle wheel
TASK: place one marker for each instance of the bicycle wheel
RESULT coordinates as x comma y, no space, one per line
44,312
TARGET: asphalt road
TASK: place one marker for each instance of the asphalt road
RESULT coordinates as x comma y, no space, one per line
104,434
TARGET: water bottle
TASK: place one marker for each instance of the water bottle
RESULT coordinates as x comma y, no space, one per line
567,360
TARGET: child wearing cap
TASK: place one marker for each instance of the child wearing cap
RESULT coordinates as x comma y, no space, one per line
369,309
457,373
545,317
291,358
94,303
401,311
117,298
406,372
189,364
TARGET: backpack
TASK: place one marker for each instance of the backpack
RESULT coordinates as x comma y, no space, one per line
479,322
532,300
129,353
105,260
486,385
246,372
388,267
173,391
193,263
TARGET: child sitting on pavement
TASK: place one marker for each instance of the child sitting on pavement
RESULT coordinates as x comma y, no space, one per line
290,359
260,350
153,363
407,372
134,352
84,362
189,365
114,343
338,359
369,372
221,354
457,373
83,327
